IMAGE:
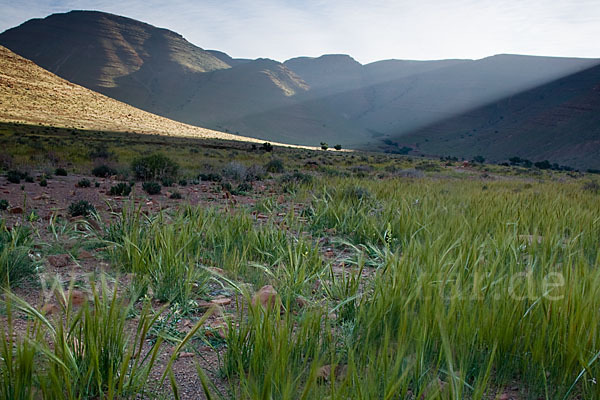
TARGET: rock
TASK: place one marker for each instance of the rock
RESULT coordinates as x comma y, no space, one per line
16,210
216,270
221,301
185,354
504,396
85,255
302,302
324,373
77,297
266,297
50,308
220,328
59,260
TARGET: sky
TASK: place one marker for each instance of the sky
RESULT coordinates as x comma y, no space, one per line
367,30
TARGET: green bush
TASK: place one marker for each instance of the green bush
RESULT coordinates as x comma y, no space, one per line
337,147
103,171
3,204
151,188
84,183
183,182
43,182
175,195
14,176
81,208
210,177
155,166
60,172
242,188
275,166
120,189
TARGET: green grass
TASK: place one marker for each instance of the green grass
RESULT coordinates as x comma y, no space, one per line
405,283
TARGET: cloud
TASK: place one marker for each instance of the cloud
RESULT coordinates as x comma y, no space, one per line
368,30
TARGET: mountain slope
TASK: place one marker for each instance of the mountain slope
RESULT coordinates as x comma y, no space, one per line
32,95
123,58
305,100
558,121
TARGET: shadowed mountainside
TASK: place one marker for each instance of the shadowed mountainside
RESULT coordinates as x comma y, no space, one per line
558,121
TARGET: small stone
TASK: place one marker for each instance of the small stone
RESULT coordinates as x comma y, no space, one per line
221,301
50,308
85,255
266,297
77,297
59,260
16,210
185,354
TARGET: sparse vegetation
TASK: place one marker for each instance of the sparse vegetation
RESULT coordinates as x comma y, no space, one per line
60,172
103,171
120,189
151,187
84,183
81,208
155,166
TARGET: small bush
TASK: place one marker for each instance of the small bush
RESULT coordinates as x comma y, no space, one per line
84,183
60,172
337,147
96,184
155,166
210,177
167,182
43,182
28,178
268,147
255,173
4,204
324,146
81,208
175,195
120,189
235,171
296,177
183,182
151,187
14,176
226,187
103,171
275,166
242,189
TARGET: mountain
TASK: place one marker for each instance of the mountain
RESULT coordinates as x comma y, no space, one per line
31,95
304,100
557,121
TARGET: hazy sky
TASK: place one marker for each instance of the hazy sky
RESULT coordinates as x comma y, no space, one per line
367,30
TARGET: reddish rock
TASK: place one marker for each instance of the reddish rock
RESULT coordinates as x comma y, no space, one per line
59,260
266,297
50,308
85,255
16,210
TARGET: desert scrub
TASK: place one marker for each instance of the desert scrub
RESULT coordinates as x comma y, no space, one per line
81,208
120,189
151,188
84,183
4,204
60,172
103,171
155,166
275,166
